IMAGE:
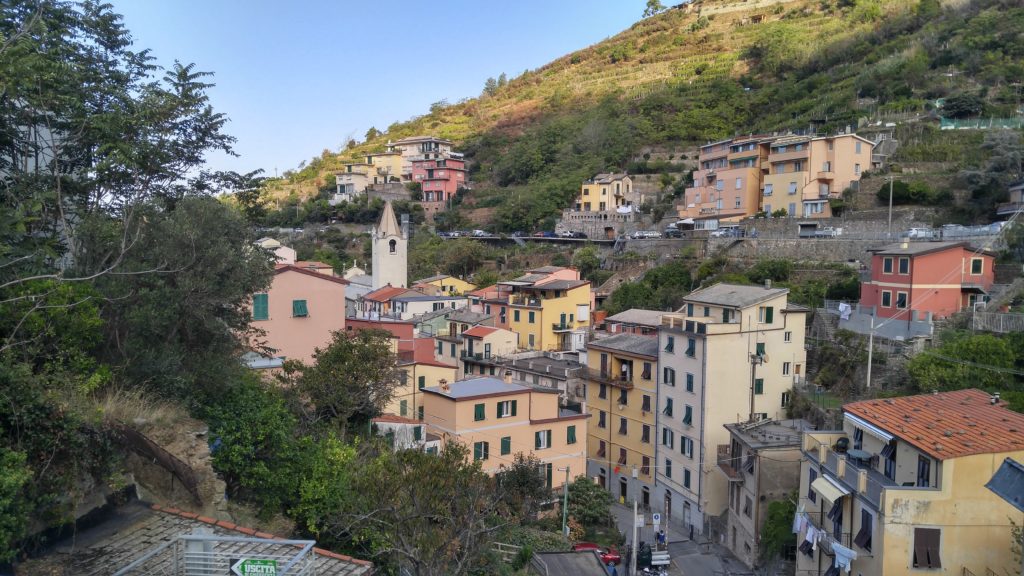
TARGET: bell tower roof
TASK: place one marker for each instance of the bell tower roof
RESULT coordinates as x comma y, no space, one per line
388,223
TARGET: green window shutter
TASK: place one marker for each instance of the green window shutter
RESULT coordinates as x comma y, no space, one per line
532,316
515,315
422,382
478,412
299,309
506,445
403,407
478,450
536,440
514,407
686,478
769,314
419,412
760,348
689,382
260,307
417,433
548,467
759,386
497,410
688,416
570,435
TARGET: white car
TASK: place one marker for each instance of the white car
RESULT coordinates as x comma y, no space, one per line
645,234
920,233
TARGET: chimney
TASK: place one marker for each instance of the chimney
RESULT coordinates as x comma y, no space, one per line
995,398
767,283
444,385
507,377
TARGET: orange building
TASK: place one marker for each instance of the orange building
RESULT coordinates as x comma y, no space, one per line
299,311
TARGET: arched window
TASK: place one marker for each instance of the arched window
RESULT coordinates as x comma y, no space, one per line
393,245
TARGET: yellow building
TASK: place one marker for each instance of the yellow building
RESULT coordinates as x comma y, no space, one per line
448,285
621,381
482,347
546,315
387,167
901,488
496,418
732,354
419,370
607,192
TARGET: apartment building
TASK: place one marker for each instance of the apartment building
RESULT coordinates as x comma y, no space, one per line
803,173
481,349
418,369
497,418
761,462
604,203
448,285
727,184
621,381
634,321
439,179
420,147
730,355
901,488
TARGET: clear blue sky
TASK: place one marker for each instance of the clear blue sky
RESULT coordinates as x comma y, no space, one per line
297,77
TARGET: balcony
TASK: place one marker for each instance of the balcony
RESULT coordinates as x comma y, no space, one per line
726,463
788,156
1009,208
523,300
562,327
826,175
621,380
479,357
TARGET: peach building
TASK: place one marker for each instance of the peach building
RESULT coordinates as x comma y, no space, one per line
727,184
497,418
803,173
299,311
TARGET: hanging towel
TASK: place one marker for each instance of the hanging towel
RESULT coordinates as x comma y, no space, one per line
844,556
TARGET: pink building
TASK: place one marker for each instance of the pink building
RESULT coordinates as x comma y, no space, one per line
914,279
299,311
440,179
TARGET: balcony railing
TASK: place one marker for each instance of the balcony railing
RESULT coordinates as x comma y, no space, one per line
621,380
521,300
826,175
729,465
466,355
1008,208
562,327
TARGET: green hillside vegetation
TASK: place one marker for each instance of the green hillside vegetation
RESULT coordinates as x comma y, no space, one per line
682,77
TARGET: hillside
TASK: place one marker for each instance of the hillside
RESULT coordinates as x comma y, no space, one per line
708,70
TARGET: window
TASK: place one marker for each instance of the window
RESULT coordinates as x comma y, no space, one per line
924,471
856,169
688,415
689,382
646,374
785,368
481,451
798,166
403,407
727,314
417,433
668,468
765,314
904,266
624,397
478,412
787,336
856,147
531,340
858,439
667,438
623,425
739,183
392,247
506,445
260,307
759,386
836,515
601,419
977,265
299,309
646,405
691,347
515,315
689,309
622,456
738,203
421,382
792,187
768,190
451,349
668,407
926,548
863,537
602,392
748,504
886,299
887,265
889,454
601,449
686,446
542,439
670,343
506,408
759,349
686,478
645,436
812,475
533,316
720,185
785,399
707,312
669,376
440,348
901,300
645,467
570,435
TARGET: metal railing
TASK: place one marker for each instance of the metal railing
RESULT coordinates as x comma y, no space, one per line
214,555
604,377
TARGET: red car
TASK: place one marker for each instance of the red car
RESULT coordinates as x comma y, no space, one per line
608,556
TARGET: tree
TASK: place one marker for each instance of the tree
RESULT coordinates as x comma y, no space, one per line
522,487
586,261
14,476
653,7
502,80
490,86
372,134
589,503
350,381
963,105
777,531
964,360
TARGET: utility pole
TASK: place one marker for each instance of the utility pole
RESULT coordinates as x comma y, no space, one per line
565,503
889,236
755,360
636,547
871,348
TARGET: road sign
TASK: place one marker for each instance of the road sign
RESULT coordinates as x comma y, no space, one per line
656,519
639,522
254,567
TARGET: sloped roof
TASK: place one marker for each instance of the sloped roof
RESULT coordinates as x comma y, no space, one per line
946,425
638,316
921,248
387,293
388,223
433,278
282,268
629,344
480,331
734,295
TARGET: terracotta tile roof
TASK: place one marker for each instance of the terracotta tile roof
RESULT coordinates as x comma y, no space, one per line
386,293
479,331
281,268
311,264
946,425
393,419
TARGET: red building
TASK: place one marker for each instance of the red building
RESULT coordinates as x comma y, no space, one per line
937,278
439,179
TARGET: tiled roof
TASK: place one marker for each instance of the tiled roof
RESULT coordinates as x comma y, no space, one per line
135,529
547,269
737,295
281,268
393,419
638,316
560,284
629,344
311,264
386,293
479,386
920,248
480,331
433,278
946,425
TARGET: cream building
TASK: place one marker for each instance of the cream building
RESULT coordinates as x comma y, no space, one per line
390,246
732,354
901,488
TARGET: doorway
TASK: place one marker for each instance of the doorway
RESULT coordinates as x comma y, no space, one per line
645,498
623,485
602,479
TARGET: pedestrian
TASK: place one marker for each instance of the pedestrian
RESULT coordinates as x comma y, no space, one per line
611,570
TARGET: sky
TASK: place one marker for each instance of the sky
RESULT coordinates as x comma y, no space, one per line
295,77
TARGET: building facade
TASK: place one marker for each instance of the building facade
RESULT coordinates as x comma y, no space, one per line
901,488
621,381
390,265
731,355
439,180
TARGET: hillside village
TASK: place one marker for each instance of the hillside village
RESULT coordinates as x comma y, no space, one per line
789,345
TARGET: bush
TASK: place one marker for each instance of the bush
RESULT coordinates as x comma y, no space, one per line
916,193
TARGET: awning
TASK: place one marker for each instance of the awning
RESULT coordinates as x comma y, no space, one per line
830,490
875,431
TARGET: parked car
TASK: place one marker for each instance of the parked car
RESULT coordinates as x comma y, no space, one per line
519,234
481,234
672,232
920,234
639,234
544,234
728,232
828,232
572,234
608,555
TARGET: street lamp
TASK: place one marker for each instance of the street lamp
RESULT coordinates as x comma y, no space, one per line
565,502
